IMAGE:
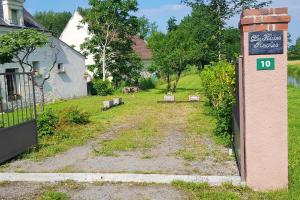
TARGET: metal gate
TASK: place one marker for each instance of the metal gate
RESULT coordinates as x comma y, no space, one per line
238,125
18,125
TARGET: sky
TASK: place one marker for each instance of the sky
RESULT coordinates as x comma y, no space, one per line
160,11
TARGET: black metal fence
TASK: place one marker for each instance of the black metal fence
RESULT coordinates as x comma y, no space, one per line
18,128
237,132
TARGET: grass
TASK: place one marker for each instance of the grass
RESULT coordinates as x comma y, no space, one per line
53,195
225,192
294,141
142,137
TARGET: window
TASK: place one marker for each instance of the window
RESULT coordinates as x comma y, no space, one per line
60,68
14,17
11,83
36,68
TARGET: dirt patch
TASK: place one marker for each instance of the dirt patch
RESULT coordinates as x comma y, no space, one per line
105,191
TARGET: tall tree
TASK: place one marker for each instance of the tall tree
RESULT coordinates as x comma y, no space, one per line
202,27
53,21
111,24
227,9
146,28
172,26
158,42
231,44
18,46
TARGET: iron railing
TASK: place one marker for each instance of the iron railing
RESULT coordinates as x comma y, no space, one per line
17,99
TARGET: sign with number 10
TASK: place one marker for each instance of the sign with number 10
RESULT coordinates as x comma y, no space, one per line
265,64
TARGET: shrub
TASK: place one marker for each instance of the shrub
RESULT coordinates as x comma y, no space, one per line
103,88
73,115
47,123
147,83
51,195
218,84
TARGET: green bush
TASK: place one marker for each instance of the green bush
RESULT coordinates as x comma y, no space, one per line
47,123
218,84
147,83
103,88
50,195
73,115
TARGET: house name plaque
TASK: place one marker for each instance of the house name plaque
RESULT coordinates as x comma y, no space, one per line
267,42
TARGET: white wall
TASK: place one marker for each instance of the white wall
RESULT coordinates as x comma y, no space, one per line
75,36
61,85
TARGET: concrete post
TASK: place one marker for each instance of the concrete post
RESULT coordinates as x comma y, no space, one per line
263,98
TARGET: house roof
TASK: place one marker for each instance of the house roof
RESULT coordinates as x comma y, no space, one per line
29,22
141,49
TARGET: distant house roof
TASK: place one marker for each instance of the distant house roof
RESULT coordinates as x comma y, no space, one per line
141,49
29,22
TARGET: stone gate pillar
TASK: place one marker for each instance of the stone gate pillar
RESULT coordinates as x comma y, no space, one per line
263,98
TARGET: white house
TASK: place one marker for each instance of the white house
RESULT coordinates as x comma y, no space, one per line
75,34
67,78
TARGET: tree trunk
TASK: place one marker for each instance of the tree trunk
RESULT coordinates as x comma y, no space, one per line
42,102
176,81
168,83
104,65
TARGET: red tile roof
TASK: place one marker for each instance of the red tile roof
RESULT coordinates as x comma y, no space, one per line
141,49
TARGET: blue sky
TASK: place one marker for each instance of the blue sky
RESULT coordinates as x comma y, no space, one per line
161,10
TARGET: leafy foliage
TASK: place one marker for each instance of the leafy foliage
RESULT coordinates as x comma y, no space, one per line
53,21
231,44
294,51
47,122
16,46
146,28
228,8
147,83
192,42
73,115
218,84
103,88
172,26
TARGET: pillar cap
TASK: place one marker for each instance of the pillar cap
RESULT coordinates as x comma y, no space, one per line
264,19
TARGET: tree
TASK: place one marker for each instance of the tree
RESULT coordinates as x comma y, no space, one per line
202,31
158,42
146,28
53,21
294,50
172,26
18,46
111,26
226,9
231,44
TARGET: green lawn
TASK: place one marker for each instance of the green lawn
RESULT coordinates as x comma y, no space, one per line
294,142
